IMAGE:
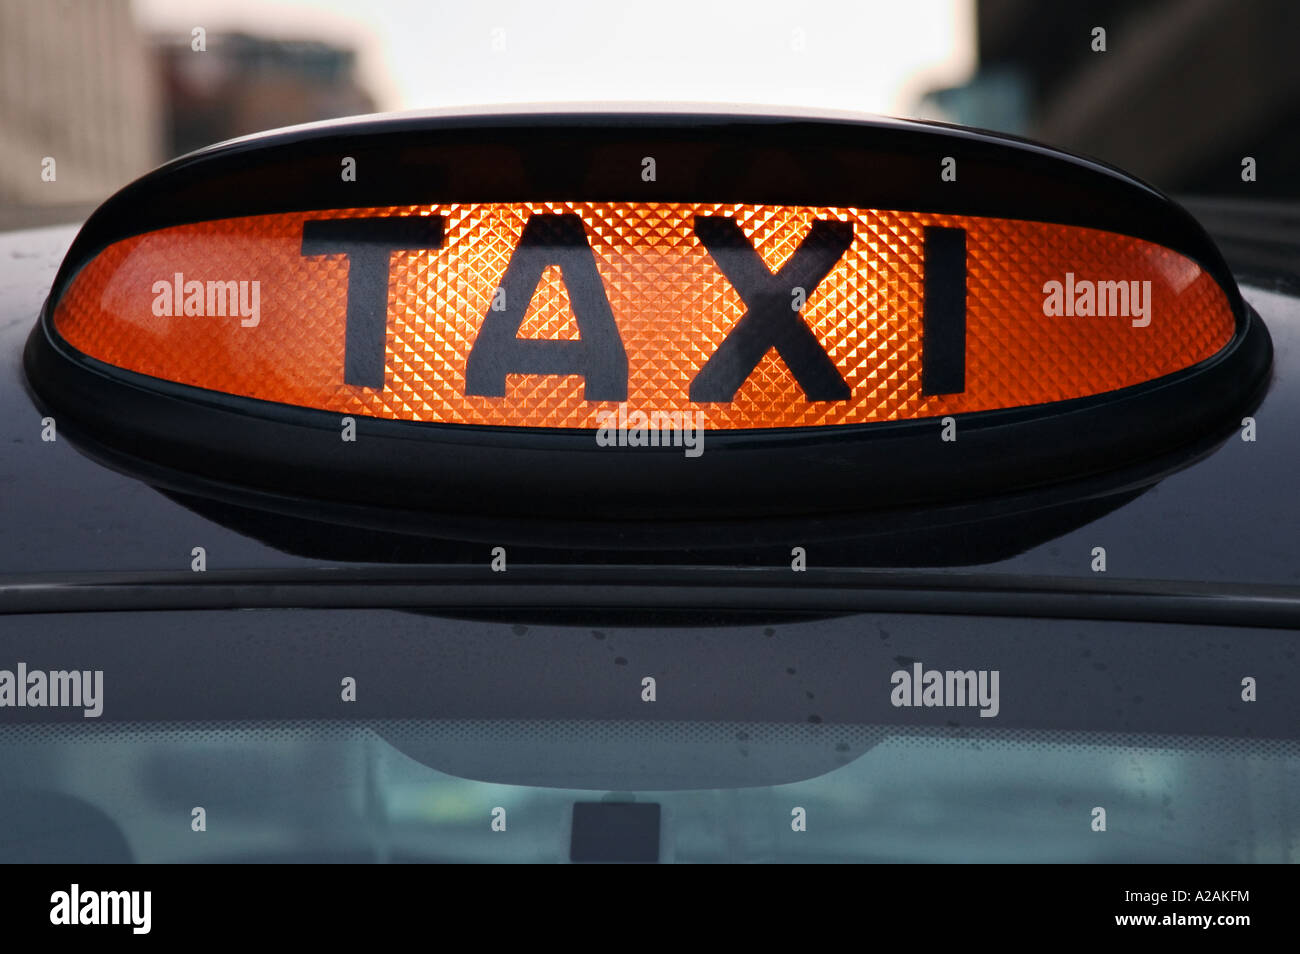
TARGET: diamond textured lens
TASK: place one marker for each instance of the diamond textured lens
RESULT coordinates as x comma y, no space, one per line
671,302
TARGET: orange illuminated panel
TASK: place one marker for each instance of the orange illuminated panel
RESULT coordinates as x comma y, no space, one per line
671,304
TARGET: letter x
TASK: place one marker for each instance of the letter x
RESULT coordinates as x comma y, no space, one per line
770,322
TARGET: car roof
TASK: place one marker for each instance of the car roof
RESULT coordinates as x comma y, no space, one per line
1226,517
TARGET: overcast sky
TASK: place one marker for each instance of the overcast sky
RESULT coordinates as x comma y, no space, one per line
865,55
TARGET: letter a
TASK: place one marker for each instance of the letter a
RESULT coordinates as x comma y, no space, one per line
598,356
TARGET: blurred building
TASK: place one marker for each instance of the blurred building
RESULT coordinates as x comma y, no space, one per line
243,84
76,85
1184,90
81,84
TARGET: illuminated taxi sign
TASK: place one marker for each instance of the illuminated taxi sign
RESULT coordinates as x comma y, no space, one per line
499,325
550,315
